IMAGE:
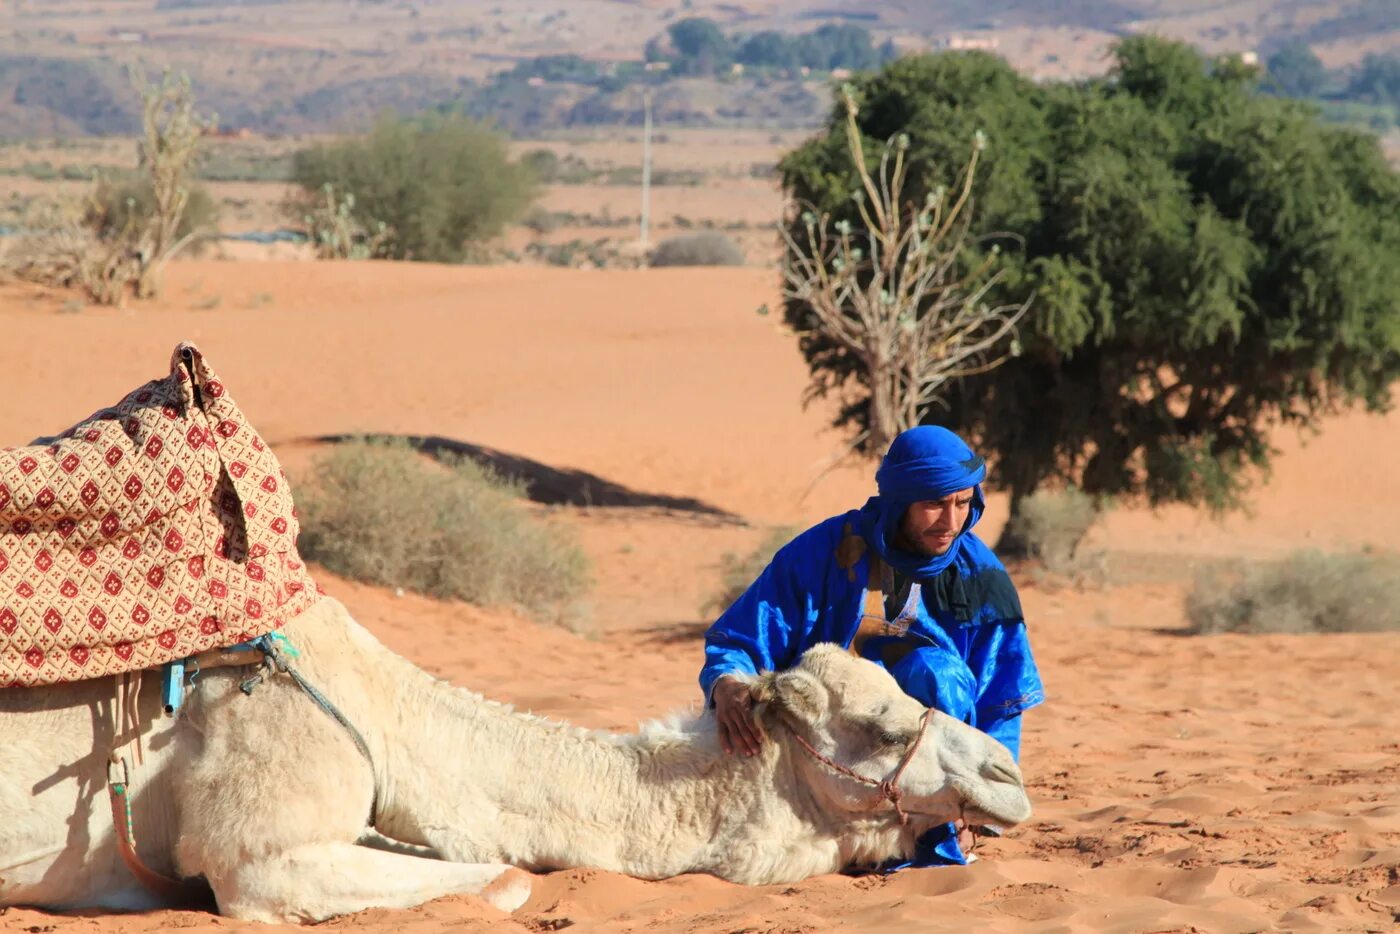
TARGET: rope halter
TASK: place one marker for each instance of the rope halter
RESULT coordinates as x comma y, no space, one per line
889,788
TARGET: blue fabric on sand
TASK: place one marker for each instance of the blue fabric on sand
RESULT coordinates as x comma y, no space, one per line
975,661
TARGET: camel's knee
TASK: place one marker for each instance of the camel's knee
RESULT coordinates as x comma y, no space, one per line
509,890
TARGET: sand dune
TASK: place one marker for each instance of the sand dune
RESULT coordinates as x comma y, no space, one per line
1216,784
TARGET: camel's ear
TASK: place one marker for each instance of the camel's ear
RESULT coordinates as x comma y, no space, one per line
795,693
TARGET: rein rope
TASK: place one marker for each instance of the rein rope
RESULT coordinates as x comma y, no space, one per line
276,652
888,788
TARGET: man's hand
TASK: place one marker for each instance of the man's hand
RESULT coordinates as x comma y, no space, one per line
734,713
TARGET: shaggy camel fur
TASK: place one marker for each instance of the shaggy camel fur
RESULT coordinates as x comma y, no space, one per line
268,799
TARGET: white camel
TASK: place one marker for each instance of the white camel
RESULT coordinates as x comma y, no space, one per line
268,799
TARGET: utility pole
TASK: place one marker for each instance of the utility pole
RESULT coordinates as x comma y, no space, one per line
646,164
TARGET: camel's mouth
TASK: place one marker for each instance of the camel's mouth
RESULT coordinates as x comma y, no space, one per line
1006,805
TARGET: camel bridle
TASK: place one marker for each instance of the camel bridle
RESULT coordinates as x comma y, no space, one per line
889,787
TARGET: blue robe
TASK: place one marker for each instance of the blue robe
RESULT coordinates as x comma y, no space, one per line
973,660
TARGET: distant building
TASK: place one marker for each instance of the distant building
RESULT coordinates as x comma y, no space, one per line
129,35
1250,57
985,44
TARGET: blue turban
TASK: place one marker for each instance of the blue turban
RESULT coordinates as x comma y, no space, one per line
924,463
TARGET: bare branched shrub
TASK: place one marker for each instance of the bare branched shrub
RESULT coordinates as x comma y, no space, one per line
1309,591
383,513
739,571
708,248
171,130
891,292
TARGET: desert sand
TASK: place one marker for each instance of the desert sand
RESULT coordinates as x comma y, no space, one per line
1223,784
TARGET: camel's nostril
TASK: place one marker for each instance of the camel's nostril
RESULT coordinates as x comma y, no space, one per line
998,771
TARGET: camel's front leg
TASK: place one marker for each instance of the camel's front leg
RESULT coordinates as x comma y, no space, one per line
321,880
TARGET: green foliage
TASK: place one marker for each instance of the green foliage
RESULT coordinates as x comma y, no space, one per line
697,46
737,572
707,248
438,184
1294,71
1307,592
382,513
1206,263
700,47
1377,81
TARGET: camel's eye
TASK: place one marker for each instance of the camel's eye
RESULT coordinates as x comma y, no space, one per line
891,738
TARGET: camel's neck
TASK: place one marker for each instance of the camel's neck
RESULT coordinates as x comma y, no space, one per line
481,783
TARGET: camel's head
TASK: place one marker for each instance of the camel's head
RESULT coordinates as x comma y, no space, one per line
853,713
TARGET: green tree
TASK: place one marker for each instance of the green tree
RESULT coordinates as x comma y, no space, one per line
1206,264
700,47
437,184
1377,81
768,49
1294,71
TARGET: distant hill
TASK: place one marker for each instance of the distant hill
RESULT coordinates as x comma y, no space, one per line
301,66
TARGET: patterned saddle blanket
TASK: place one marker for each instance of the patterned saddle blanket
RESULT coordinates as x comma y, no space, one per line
153,530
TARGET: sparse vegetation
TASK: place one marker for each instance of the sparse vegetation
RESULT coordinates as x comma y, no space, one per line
437,184
707,248
737,572
601,253
117,239
1053,525
1309,591
381,512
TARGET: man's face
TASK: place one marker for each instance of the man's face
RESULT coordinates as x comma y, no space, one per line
929,526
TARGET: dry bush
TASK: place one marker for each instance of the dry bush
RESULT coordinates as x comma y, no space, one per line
1053,525
67,253
709,248
382,513
121,202
1309,591
738,572
117,239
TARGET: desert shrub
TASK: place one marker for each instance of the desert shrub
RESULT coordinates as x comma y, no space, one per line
437,183
116,240
739,571
335,231
543,162
700,249
381,512
1309,591
545,222
577,253
122,203
1052,524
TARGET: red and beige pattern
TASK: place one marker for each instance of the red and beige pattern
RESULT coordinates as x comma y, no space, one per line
153,530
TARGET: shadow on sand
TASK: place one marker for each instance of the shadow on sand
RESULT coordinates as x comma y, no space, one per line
552,486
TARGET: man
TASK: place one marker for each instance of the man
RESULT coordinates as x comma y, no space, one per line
903,582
